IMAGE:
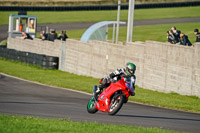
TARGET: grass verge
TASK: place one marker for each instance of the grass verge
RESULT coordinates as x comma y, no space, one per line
111,15
77,2
16,124
142,33
3,43
68,80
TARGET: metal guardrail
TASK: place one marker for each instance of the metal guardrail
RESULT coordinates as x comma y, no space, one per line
97,7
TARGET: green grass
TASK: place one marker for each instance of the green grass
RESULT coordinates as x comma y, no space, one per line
3,43
16,124
50,77
68,80
95,16
143,33
171,100
78,3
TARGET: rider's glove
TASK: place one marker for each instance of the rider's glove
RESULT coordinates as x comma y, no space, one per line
132,93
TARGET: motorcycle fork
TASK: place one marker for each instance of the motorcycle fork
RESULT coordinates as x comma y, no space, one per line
94,89
116,94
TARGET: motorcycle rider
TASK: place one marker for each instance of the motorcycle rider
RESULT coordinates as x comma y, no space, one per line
129,75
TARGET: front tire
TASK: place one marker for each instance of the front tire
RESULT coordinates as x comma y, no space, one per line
115,104
91,106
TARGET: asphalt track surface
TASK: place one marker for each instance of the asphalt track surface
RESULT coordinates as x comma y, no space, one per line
20,97
73,26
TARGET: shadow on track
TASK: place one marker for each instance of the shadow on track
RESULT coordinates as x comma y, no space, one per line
32,103
1,76
153,117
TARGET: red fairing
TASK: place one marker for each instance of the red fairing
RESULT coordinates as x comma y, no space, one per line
104,98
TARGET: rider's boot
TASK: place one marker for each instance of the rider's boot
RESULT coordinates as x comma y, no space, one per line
103,84
97,93
132,93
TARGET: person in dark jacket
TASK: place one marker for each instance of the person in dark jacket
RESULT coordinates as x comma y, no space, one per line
52,35
176,34
196,32
171,37
63,36
185,40
26,36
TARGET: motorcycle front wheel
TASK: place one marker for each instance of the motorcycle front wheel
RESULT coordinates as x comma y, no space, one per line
115,104
91,106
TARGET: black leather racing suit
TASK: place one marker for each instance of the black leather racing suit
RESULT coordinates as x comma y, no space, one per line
114,77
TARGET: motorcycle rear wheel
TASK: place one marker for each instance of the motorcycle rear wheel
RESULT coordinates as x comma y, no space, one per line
91,106
115,104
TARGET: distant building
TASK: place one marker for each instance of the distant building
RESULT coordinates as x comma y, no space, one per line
22,23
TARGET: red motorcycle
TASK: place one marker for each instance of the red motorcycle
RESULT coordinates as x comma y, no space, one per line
111,99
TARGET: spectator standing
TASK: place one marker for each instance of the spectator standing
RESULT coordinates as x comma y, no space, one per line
171,37
196,32
52,35
20,26
176,34
63,36
26,36
44,35
55,34
184,40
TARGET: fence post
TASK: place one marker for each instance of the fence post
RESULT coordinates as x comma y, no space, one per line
63,55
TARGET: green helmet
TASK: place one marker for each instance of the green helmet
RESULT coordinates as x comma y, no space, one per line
130,69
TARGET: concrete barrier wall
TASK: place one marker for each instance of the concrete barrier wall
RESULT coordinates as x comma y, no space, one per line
37,46
160,66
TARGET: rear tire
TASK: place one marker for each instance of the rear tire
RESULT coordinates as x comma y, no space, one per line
91,106
115,104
